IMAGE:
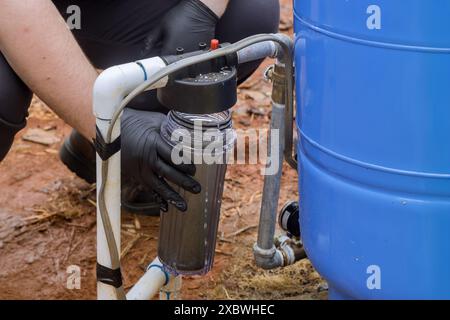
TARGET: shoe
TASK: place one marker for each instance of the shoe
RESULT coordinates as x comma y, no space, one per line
78,154
138,199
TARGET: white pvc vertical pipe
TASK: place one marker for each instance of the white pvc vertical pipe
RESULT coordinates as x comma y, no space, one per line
110,89
112,201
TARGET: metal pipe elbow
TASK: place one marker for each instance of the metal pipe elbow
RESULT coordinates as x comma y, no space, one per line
288,43
268,259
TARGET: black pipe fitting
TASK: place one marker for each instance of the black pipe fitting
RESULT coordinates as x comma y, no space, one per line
289,219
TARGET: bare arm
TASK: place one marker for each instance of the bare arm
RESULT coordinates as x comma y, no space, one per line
218,6
40,48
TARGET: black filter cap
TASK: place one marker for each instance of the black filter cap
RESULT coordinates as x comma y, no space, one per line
201,92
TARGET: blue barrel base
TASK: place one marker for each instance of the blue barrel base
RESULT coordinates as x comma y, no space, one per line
334,294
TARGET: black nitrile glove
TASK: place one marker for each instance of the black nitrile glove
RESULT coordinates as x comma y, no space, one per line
146,158
186,25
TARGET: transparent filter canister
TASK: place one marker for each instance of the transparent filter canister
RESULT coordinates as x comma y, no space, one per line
187,240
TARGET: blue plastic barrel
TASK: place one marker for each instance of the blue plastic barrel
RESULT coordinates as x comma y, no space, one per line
373,117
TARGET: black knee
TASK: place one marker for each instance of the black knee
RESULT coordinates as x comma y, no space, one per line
244,19
15,98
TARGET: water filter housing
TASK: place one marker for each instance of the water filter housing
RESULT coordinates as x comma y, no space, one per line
373,117
187,240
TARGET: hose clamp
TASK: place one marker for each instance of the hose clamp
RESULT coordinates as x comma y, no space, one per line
160,267
268,73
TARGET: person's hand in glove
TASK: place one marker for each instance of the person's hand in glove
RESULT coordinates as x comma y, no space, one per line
147,158
186,25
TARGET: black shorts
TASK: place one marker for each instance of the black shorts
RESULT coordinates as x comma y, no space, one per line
113,32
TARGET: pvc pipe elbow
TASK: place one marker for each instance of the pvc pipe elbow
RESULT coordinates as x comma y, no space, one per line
115,83
109,91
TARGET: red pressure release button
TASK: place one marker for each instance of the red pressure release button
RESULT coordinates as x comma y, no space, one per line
215,44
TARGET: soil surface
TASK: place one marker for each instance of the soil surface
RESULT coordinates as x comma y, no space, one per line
47,219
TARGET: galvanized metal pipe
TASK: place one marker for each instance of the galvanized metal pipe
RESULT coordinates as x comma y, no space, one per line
271,191
271,253
265,253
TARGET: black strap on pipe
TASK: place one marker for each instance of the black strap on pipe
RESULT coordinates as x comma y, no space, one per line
109,276
105,150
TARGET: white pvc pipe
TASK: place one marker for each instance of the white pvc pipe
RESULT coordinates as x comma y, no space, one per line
150,283
110,89
112,200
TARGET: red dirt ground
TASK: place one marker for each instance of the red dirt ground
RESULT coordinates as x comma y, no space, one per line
47,221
